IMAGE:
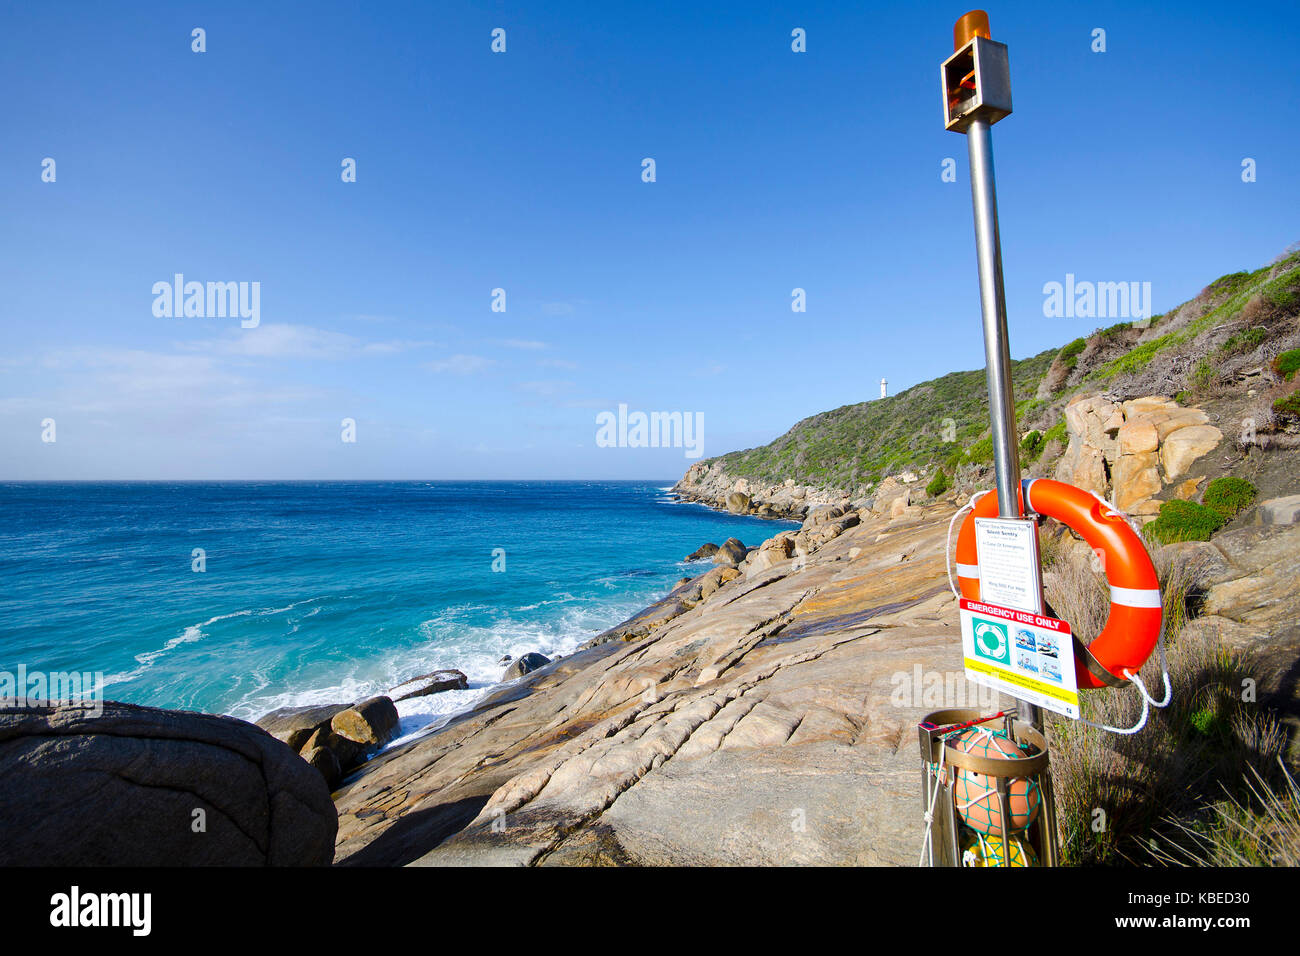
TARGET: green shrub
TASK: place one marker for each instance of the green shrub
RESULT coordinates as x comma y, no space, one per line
1204,375
1243,341
1288,404
1031,445
1228,495
1283,293
1229,283
1056,433
1139,358
1287,364
1205,722
982,451
1028,409
1069,355
1184,521
938,484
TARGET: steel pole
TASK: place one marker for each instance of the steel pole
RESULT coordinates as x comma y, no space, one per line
1002,407
997,350
993,304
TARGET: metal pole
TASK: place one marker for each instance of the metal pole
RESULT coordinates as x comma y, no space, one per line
997,352
1002,410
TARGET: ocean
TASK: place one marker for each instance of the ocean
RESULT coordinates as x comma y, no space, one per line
241,597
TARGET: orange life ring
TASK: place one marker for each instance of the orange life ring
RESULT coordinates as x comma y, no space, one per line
1133,627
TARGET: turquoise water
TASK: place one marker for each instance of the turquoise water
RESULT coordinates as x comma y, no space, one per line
317,592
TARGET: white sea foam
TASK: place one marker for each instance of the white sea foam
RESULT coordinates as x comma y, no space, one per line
474,649
192,634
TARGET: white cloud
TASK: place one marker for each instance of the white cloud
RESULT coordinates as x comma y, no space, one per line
526,344
461,364
138,385
544,388
287,341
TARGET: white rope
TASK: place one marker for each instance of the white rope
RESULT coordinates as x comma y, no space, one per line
1147,700
1142,721
947,548
926,843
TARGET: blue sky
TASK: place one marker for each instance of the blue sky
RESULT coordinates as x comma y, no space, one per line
522,171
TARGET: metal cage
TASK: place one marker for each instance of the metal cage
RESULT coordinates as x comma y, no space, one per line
944,840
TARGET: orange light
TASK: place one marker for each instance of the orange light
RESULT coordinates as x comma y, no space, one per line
973,24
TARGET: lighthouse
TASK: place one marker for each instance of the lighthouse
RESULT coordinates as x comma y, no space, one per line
884,388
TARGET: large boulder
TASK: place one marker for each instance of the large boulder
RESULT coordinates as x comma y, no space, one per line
731,553
888,490
1093,425
738,502
140,786
524,665
1136,477
1279,510
326,762
349,753
1132,450
1183,446
770,552
371,722
715,579
821,515
1138,436
703,551
295,725
426,684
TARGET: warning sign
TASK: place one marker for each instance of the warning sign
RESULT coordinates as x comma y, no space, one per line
1008,561
1027,655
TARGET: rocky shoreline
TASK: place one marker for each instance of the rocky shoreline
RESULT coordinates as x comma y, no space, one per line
337,739
761,713
746,672
709,484
1129,451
